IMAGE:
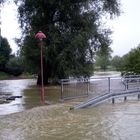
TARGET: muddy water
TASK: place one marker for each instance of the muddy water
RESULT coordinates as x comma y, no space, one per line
30,95
57,122
120,121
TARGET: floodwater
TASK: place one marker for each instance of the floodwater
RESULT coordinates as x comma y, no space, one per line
26,119
30,95
56,122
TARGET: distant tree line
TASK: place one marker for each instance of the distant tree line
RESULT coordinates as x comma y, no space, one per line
5,51
9,63
103,58
129,63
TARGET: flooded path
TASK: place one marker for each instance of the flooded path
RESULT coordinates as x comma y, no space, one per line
30,95
26,119
13,88
57,122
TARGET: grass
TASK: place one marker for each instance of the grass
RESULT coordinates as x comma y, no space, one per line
4,75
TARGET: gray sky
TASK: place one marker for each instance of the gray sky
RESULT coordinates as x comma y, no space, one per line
126,32
126,28
10,28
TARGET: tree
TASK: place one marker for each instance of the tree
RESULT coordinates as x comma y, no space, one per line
117,62
5,51
103,57
15,65
132,61
74,31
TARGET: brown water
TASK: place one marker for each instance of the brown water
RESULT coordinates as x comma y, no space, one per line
120,121
57,122
30,95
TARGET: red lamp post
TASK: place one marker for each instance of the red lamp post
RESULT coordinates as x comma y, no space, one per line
40,35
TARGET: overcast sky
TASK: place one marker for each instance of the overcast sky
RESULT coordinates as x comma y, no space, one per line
10,28
126,28
126,31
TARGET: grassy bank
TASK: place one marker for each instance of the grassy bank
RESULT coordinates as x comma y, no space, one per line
5,76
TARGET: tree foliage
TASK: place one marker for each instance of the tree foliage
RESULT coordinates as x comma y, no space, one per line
74,31
15,66
117,62
132,61
5,51
103,57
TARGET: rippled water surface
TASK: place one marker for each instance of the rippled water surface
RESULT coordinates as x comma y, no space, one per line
106,121
57,122
30,95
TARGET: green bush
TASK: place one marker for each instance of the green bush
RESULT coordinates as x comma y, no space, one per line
4,75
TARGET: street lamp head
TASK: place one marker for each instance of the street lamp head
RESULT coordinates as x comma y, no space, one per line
40,35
